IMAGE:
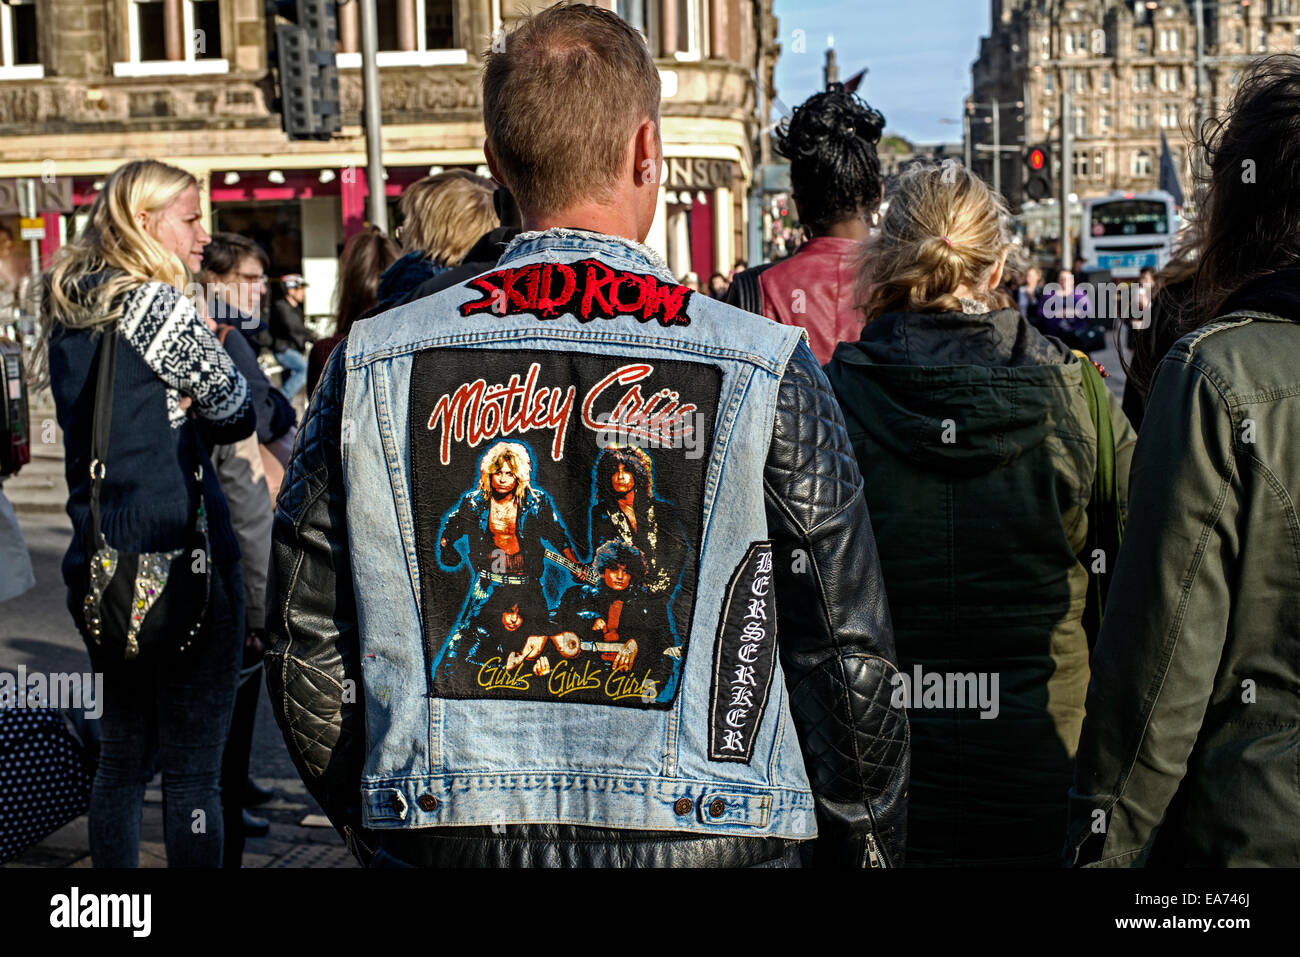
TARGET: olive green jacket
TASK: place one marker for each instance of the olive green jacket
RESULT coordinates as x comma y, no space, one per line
1190,752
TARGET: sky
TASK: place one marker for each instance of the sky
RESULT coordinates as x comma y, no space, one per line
919,53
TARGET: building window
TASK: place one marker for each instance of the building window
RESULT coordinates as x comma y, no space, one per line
634,12
692,29
1234,78
1169,41
1106,119
1261,40
1141,80
148,34
1141,44
1105,81
1099,164
19,56
197,38
1081,165
1169,117
1141,116
1141,163
205,33
1049,119
413,33
1297,38
1080,81
1049,83
1169,80
439,24
1080,121
1237,36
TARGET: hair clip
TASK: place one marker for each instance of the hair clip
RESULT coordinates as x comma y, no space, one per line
948,241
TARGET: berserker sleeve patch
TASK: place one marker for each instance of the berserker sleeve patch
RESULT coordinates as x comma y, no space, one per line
588,288
558,502
744,658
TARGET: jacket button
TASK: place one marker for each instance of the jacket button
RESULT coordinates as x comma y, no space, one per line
717,806
428,802
683,806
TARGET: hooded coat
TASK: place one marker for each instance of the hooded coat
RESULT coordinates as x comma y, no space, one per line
978,456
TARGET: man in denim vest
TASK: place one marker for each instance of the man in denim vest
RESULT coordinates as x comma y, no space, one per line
719,655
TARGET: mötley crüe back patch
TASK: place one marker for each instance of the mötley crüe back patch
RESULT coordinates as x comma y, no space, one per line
558,503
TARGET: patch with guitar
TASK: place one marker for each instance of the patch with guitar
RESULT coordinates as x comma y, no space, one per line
558,502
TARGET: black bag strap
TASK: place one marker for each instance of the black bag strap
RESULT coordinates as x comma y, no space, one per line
102,423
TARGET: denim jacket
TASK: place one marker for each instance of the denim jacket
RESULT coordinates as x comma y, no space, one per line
563,582
586,743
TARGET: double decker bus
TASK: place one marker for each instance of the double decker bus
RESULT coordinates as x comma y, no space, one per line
1126,232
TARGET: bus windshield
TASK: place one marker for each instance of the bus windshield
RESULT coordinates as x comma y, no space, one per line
1130,217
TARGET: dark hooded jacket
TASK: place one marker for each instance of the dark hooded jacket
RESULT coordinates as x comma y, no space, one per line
978,455
1191,752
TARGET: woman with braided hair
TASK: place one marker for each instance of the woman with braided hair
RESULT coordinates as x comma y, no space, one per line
837,185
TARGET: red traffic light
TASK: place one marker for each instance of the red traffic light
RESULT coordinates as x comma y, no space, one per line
1037,159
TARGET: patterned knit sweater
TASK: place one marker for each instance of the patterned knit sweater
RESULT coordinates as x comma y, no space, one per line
149,496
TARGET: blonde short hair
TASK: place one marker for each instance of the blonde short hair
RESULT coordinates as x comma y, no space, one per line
561,99
944,228
446,214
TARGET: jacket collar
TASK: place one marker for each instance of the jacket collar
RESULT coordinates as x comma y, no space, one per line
999,338
1277,294
627,252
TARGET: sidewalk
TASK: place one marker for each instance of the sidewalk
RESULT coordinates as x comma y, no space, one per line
298,837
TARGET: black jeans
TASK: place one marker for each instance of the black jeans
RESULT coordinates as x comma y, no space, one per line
173,709
234,763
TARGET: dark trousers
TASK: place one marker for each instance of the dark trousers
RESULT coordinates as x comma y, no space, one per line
172,710
234,763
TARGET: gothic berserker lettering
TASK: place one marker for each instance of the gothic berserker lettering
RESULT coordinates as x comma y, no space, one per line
587,288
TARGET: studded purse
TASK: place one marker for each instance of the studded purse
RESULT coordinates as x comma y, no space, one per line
138,603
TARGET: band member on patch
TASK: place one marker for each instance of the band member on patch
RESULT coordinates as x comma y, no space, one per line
614,618
509,524
624,509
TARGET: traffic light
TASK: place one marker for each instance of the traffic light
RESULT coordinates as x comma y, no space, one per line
1038,170
309,78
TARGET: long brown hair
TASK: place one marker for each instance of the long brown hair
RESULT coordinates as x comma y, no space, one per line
1249,222
364,259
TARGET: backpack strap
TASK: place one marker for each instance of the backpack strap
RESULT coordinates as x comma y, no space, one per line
1105,523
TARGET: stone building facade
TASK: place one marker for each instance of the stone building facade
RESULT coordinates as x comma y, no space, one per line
1130,67
88,84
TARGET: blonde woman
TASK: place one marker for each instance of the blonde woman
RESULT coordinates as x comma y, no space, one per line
978,455
128,270
443,216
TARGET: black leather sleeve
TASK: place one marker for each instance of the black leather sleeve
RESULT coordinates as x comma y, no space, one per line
313,664
834,633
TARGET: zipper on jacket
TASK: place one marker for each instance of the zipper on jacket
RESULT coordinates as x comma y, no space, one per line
873,853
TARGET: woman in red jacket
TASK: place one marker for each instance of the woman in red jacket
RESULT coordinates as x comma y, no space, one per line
830,141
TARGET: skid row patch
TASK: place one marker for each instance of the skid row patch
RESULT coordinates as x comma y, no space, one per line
744,658
588,288
558,502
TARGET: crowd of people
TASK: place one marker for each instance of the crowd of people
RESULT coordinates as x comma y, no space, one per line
906,448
